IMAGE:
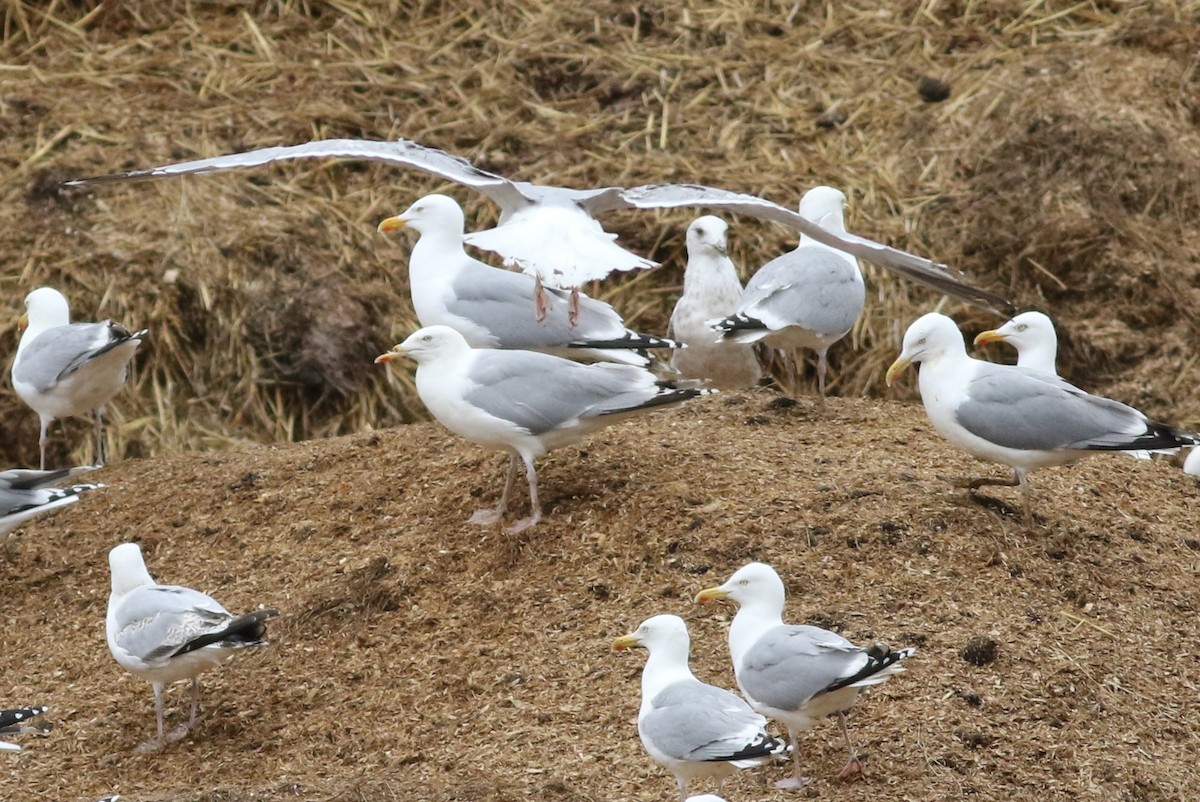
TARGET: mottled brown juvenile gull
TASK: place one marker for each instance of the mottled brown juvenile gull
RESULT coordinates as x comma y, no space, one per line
24,494
13,722
64,368
167,633
711,289
796,674
551,232
1025,419
492,307
525,402
688,727
807,298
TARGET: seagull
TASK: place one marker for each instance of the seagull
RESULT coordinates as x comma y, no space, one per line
796,674
167,633
490,306
1033,335
24,494
1191,465
551,232
1025,419
807,298
64,368
690,728
12,722
525,402
710,289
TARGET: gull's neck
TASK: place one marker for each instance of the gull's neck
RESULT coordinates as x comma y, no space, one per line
666,665
709,273
1039,355
751,622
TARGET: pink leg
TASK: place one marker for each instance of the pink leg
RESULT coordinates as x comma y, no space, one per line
797,780
853,765
540,304
573,308
488,517
535,509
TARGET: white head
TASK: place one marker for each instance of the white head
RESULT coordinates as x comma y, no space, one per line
428,215
428,344
662,633
46,308
1191,465
823,205
754,584
930,336
128,569
707,235
1030,333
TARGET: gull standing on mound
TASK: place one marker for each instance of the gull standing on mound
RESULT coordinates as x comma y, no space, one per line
64,369
551,232
524,402
167,633
491,307
12,722
690,728
807,298
24,494
710,289
1033,335
794,673
1025,419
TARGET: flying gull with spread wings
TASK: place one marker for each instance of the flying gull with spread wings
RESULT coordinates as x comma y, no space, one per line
551,232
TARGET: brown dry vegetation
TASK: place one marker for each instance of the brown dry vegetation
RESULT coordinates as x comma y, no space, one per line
422,659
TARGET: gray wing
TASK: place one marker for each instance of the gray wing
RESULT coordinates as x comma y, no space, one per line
155,621
505,193
791,664
1031,410
27,479
689,720
810,287
925,271
60,351
501,301
540,392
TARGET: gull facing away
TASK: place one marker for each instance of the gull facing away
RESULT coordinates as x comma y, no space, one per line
24,494
690,728
795,673
492,307
807,298
1025,419
64,369
1033,335
525,402
166,633
710,289
551,233
12,722
1191,465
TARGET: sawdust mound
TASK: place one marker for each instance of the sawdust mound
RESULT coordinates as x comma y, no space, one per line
421,658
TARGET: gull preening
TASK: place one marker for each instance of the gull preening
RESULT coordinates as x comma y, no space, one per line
711,289
551,232
794,673
809,297
13,722
525,402
167,633
1025,419
24,494
64,369
690,728
493,307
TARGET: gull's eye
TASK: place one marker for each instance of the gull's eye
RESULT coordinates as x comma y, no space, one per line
1022,327
921,341
744,582
428,338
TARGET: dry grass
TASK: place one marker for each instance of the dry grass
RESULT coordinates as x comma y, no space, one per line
1062,170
